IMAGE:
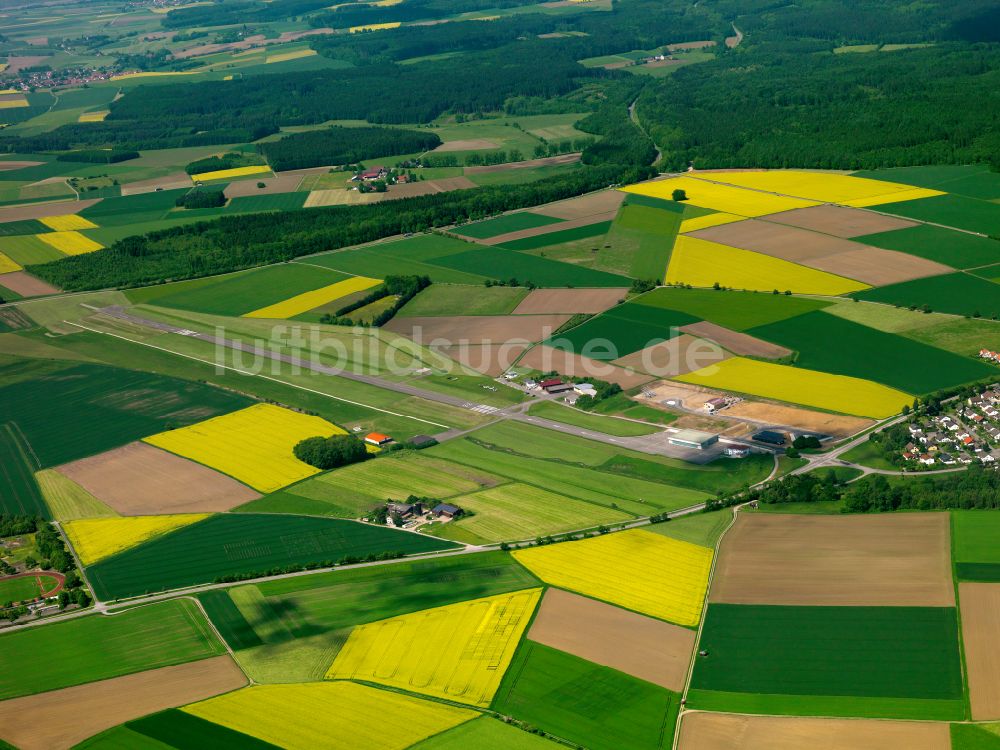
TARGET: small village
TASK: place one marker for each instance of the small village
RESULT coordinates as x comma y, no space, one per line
967,432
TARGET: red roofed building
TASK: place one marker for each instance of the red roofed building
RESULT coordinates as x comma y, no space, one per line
377,438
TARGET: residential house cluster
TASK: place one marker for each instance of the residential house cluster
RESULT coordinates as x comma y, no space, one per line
990,355
970,432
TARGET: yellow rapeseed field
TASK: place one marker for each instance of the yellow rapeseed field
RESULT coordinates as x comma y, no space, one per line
97,538
285,56
71,243
826,187
718,197
93,116
385,3
636,569
13,103
840,393
253,445
227,174
911,194
330,715
7,265
301,303
711,220
703,263
375,27
67,223
459,652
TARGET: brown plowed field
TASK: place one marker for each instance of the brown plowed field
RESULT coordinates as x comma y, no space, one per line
166,182
678,356
981,634
283,183
585,205
705,731
550,228
878,560
805,420
26,285
486,359
545,358
736,342
541,301
41,210
840,221
477,329
138,480
62,718
649,649
836,255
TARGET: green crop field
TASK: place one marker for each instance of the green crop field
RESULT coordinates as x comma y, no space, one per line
621,331
560,236
28,249
451,299
482,734
956,211
851,652
593,706
97,647
641,240
245,292
120,738
234,544
19,492
975,181
178,729
975,550
973,737
503,224
960,335
133,209
22,227
228,620
503,263
414,255
958,293
83,409
955,249
736,310
698,528
833,344
519,511
590,421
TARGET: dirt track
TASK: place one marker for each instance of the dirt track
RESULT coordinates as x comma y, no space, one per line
877,560
981,635
546,161
704,731
649,649
62,718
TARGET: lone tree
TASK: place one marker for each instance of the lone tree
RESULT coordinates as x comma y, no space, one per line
331,452
680,195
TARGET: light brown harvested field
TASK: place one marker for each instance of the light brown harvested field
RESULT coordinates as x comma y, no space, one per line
166,182
427,187
736,342
545,161
546,359
549,228
41,210
26,285
16,62
805,420
678,356
284,183
486,359
472,144
649,649
870,265
840,221
594,301
980,604
6,166
62,718
705,731
139,479
878,560
477,329
585,205
339,197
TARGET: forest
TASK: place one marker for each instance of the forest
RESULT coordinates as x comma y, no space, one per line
340,145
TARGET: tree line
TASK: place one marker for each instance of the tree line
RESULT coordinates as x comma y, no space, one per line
340,145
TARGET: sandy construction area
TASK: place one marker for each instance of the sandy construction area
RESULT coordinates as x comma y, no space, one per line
545,161
878,560
689,396
486,359
139,479
26,285
836,255
284,183
540,301
41,210
546,359
678,356
62,718
550,228
805,420
981,634
649,649
705,731
736,342
840,221
477,329
585,205
472,144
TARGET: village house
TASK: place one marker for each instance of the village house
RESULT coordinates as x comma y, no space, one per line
947,459
405,510
927,459
447,510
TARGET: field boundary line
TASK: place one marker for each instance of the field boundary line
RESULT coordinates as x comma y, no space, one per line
265,377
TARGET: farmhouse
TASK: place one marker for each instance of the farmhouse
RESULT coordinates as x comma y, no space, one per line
769,436
406,510
377,439
375,173
693,439
446,510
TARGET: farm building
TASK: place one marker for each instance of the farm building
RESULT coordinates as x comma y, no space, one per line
769,436
447,510
375,173
406,510
555,385
715,404
693,439
422,441
585,389
377,438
